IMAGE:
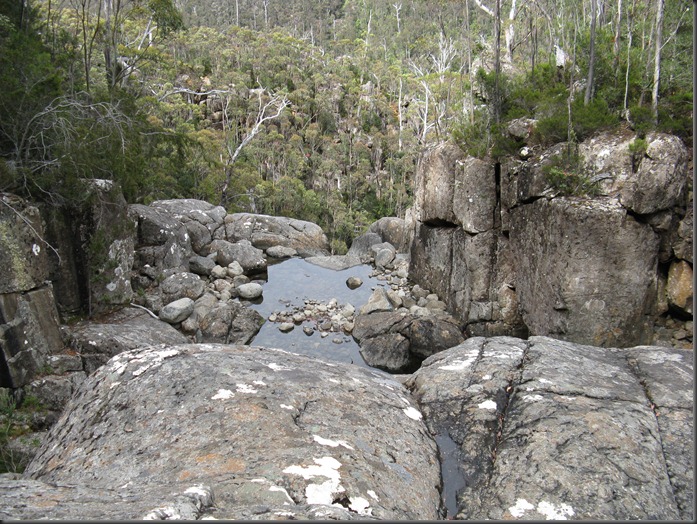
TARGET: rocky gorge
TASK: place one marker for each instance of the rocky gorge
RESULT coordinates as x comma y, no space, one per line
521,353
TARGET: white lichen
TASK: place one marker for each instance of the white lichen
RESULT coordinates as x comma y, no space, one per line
223,394
331,443
459,364
413,413
487,404
360,505
552,512
520,507
532,398
245,388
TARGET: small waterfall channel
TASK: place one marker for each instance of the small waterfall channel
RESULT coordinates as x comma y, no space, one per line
292,281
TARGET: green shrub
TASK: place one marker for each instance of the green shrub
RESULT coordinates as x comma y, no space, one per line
641,119
567,175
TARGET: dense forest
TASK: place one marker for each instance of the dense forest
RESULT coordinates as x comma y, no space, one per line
318,109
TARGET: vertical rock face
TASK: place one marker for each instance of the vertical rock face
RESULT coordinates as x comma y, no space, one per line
586,271
511,254
95,239
29,331
23,252
458,240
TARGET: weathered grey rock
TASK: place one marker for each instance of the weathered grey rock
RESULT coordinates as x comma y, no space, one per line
679,287
354,282
53,391
249,257
201,265
121,331
586,271
384,258
23,254
361,247
659,181
392,230
434,185
188,210
177,311
682,239
219,272
162,242
250,291
428,336
551,429
286,327
294,441
229,323
182,285
389,352
369,326
29,334
281,252
378,301
521,128
265,231
199,234
669,378
27,499
234,269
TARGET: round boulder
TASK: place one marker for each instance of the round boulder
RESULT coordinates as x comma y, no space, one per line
250,291
177,311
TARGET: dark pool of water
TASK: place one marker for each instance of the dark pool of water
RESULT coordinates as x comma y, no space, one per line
292,281
453,478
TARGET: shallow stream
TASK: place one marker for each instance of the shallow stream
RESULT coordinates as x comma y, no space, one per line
289,284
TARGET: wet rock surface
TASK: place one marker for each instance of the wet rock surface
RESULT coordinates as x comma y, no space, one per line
550,429
256,427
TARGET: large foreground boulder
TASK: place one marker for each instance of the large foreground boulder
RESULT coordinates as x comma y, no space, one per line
547,429
231,432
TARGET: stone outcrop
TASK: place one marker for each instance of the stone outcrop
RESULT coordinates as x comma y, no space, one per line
264,231
398,341
23,256
549,429
130,328
228,431
29,322
511,255
586,271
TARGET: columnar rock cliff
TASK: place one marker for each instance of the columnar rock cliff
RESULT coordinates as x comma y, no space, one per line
515,252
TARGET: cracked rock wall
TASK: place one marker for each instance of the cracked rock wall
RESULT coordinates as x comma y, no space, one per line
511,256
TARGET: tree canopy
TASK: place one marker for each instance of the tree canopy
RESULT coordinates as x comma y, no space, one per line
318,109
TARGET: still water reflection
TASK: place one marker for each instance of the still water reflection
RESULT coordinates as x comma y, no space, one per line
292,281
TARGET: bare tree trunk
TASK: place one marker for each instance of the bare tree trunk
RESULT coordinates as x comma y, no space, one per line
497,62
630,35
618,25
660,5
591,61
469,59
398,8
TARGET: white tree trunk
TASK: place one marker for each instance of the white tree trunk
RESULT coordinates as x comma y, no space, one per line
660,5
